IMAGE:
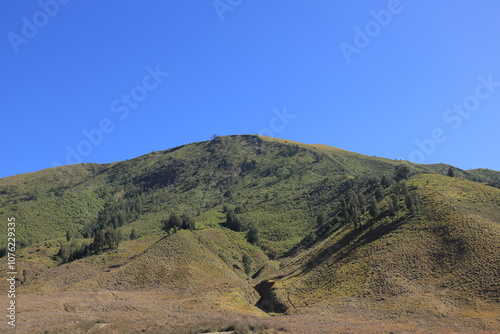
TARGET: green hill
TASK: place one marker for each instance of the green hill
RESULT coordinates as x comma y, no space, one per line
311,228
449,248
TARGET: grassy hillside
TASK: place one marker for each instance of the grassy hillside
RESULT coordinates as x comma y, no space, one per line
336,229
443,260
276,181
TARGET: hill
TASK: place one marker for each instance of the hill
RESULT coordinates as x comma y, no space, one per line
306,231
442,261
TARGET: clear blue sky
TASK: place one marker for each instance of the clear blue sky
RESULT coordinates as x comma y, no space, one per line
373,77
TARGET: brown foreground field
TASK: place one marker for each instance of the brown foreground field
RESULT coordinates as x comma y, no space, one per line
156,311
79,300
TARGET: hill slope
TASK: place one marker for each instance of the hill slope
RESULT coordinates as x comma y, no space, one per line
341,235
449,249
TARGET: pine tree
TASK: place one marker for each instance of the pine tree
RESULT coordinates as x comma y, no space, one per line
402,189
390,208
355,207
373,207
354,213
395,205
412,201
379,192
112,238
362,201
121,218
451,172
99,242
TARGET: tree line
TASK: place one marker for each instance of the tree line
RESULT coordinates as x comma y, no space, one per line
116,214
176,222
104,230
367,198
104,240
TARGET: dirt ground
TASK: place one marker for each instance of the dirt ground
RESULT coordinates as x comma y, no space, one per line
156,312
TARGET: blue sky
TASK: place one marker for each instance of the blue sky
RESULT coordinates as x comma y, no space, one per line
103,81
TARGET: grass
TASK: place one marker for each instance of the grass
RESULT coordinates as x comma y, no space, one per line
449,251
441,262
247,326
275,179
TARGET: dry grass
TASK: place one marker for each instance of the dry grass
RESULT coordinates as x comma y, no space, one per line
437,272
442,263
244,326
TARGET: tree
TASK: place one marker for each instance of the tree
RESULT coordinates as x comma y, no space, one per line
109,238
235,222
247,264
402,172
354,207
451,172
112,238
98,242
240,224
354,213
386,181
379,192
372,181
68,236
64,253
133,235
395,205
253,235
174,222
361,201
80,252
390,208
187,222
373,207
412,201
402,189
121,218
230,217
